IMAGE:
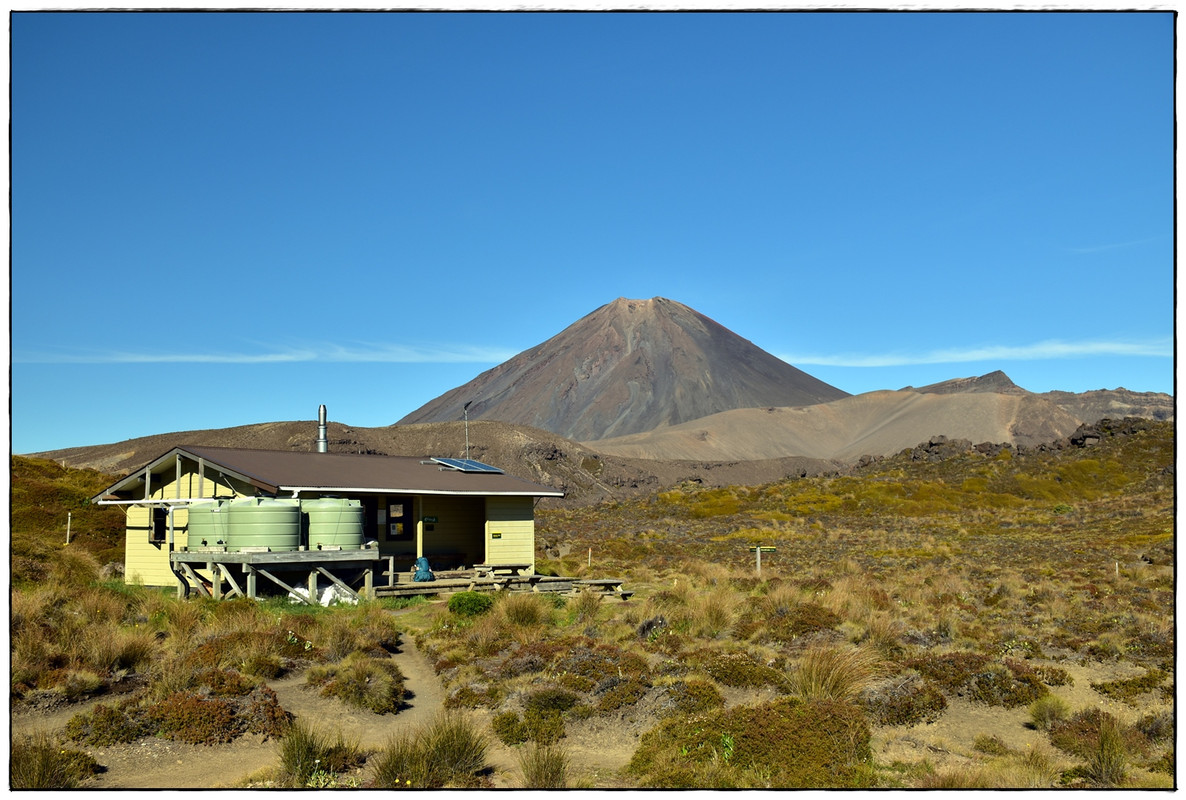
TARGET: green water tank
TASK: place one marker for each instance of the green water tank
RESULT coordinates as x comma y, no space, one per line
334,522
207,523
264,522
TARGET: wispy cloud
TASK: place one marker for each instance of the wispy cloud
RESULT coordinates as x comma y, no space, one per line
359,353
1051,349
1100,248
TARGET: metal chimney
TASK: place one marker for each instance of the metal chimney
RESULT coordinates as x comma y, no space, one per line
322,441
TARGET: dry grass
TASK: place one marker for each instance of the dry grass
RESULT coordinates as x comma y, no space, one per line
835,673
544,766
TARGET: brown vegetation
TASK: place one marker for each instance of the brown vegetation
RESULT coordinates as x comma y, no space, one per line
900,599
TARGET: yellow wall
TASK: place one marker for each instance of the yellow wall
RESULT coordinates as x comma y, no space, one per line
514,518
148,563
459,526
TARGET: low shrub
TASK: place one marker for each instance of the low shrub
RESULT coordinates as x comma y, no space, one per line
224,682
1048,711
551,699
623,693
470,604
789,743
475,696
106,725
992,745
742,671
544,727
544,766
1009,683
373,684
36,761
1053,676
911,701
189,717
1079,736
1128,689
509,729
264,715
694,696
1156,727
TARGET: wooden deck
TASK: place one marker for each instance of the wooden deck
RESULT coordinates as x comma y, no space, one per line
352,571
355,573
478,580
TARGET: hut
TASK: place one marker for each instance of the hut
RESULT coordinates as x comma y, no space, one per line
196,509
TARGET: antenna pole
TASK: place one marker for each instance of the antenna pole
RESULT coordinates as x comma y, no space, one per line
465,411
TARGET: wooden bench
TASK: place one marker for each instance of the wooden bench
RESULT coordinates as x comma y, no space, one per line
610,585
491,570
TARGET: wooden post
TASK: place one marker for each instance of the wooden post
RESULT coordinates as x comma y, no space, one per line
758,555
368,583
313,586
250,570
215,580
69,517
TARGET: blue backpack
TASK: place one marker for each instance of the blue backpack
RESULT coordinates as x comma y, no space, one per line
423,573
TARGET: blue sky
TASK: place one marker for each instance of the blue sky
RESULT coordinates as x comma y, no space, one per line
221,219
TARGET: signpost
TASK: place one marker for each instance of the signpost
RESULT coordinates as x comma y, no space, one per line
759,550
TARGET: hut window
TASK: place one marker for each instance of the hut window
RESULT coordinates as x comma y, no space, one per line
159,533
399,522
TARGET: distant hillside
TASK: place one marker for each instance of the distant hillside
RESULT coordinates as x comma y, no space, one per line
529,453
875,424
628,367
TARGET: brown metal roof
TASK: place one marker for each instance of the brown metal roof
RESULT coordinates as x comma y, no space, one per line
281,472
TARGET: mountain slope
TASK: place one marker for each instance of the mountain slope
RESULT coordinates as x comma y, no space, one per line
529,453
876,423
628,367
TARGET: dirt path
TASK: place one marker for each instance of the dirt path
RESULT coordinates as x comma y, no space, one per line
161,764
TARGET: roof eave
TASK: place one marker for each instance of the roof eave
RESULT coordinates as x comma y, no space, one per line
396,490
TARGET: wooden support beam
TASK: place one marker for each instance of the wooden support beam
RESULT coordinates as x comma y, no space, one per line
216,582
193,576
368,583
283,585
337,582
226,573
250,570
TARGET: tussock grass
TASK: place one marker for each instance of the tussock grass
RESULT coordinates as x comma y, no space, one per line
835,673
448,751
544,766
37,761
522,610
1107,762
306,752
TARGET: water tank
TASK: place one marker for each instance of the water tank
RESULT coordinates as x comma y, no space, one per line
264,522
207,523
334,522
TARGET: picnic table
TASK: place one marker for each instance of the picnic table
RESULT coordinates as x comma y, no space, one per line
490,570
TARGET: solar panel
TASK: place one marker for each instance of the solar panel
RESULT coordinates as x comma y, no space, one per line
467,465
